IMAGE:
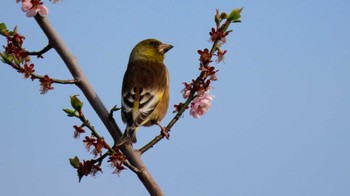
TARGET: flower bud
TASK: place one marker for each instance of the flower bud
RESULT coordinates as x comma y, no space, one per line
235,15
74,162
217,17
223,15
3,28
76,103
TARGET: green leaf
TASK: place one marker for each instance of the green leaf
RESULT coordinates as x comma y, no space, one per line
76,103
17,62
11,33
235,15
70,113
3,28
8,58
4,58
74,162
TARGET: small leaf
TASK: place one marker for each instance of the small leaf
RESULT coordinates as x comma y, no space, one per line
3,28
17,62
76,103
4,58
11,33
235,15
74,162
70,113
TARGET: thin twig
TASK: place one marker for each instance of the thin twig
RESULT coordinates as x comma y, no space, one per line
55,80
87,124
37,76
40,53
100,159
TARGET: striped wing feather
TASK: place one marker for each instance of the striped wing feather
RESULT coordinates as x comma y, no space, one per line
143,91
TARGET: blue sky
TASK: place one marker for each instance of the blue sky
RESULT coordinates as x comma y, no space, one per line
279,124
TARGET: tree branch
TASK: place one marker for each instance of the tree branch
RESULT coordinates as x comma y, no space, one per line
37,76
40,53
57,43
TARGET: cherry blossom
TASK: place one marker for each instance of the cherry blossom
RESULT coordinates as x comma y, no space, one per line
200,105
32,7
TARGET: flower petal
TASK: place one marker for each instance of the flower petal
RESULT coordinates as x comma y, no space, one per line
26,6
31,12
42,10
200,105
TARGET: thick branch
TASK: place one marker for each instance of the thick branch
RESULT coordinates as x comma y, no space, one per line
71,62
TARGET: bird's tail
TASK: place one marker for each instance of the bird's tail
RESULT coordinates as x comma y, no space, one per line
129,135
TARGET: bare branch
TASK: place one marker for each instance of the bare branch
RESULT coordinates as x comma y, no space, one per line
37,76
54,80
40,53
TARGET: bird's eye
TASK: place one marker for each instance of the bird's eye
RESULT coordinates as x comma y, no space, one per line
153,43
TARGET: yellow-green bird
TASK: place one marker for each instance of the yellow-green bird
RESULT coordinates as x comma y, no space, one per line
145,91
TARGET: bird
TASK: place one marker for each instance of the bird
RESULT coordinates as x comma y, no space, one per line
145,88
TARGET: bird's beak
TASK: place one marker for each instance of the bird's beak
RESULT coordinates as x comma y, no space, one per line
163,48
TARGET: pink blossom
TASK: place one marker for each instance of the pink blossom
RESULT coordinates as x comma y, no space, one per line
26,5
31,10
220,56
200,105
30,13
42,10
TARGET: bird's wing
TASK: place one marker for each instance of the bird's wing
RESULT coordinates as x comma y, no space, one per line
138,104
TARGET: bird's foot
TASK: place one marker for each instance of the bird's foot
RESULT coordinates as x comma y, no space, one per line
164,133
114,109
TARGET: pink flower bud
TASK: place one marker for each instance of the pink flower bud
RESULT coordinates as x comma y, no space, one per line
186,93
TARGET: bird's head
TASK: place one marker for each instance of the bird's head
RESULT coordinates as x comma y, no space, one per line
150,50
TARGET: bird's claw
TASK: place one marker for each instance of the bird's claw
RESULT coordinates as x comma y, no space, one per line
165,133
114,109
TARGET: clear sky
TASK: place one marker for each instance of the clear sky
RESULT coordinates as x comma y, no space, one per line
279,123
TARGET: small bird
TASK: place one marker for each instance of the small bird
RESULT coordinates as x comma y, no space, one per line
145,90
